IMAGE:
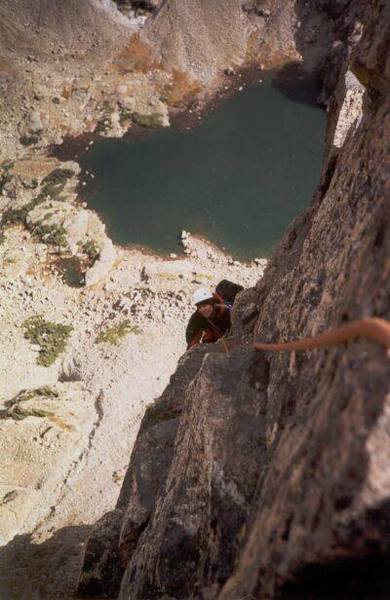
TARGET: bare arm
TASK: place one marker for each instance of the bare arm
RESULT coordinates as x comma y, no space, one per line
374,328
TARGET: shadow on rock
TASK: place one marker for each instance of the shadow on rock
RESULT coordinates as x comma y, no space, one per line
42,571
297,85
324,32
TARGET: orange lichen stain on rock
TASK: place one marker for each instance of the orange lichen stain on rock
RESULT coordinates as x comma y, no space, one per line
137,56
180,89
61,423
253,46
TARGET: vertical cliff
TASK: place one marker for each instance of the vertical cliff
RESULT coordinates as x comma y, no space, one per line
266,475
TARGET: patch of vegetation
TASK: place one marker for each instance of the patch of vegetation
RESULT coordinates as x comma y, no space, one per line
71,269
52,190
58,176
152,120
45,391
9,260
7,165
50,337
104,121
30,185
6,176
91,250
54,183
125,116
50,234
102,125
15,411
112,335
18,413
13,216
29,140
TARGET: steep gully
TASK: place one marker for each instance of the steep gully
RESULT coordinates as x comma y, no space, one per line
265,475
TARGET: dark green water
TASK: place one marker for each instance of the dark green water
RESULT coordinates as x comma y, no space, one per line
238,178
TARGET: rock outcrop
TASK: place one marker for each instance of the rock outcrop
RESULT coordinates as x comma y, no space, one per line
265,475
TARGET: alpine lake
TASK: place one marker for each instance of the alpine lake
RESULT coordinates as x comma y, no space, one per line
237,176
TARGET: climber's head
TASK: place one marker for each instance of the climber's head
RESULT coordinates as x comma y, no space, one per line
204,301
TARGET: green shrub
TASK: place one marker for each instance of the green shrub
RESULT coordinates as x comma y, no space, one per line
58,176
53,184
125,116
112,335
45,232
50,234
45,391
29,140
50,337
12,216
91,250
153,120
5,178
15,411
7,165
30,185
53,190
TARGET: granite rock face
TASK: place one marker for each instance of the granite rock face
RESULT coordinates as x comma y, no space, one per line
266,475
144,480
209,484
102,564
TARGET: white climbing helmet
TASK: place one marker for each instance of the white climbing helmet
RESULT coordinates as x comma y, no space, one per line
201,295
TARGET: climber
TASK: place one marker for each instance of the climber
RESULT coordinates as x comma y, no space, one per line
211,320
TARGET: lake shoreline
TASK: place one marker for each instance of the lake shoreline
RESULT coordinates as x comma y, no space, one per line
238,177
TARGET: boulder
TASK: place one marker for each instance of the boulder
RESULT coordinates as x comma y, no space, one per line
35,122
102,265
